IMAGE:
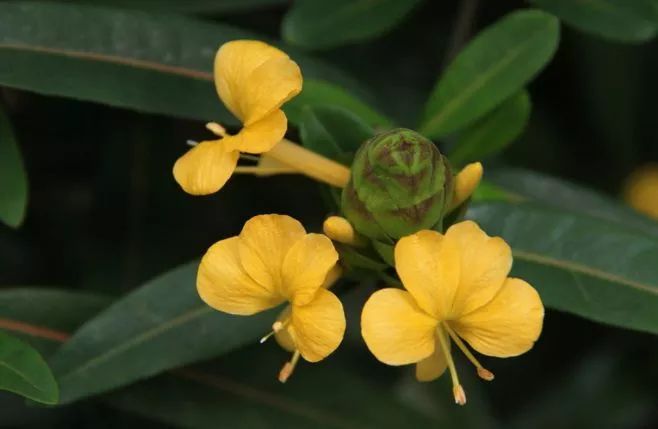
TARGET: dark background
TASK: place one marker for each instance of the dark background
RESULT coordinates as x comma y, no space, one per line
105,213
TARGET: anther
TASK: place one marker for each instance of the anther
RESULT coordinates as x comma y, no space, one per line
460,395
289,367
216,129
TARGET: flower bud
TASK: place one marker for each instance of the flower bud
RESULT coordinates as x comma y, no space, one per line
400,184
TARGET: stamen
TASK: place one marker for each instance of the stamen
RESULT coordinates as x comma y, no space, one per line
289,367
216,129
192,143
262,171
276,327
457,389
249,157
483,373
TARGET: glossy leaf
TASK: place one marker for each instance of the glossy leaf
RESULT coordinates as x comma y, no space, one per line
161,325
495,65
524,184
148,62
188,6
46,317
593,268
322,93
333,132
494,132
13,179
23,371
242,392
620,20
316,24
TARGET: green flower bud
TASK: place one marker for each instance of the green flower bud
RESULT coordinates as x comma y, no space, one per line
400,184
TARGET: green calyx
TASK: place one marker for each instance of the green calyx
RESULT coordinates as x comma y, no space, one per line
400,184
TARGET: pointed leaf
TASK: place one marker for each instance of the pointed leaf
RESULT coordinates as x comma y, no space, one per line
13,179
23,371
161,325
500,61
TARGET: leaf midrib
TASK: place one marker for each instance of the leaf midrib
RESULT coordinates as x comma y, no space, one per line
137,340
479,82
582,269
112,59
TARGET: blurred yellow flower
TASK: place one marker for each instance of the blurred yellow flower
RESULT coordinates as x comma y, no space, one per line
466,181
272,261
456,287
641,190
253,81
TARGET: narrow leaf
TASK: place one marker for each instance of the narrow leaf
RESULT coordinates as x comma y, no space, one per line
500,61
316,24
493,132
620,20
148,62
322,93
524,184
159,326
23,371
593,268
13,179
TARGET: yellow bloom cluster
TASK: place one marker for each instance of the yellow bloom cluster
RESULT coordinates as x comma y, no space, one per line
456,287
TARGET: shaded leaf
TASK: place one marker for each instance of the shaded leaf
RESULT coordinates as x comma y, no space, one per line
188,6
154,63
23,371
13,178
593,268
316,24
46,317
493,132
322,93
500,61
620,20
159,326
564,195
333,132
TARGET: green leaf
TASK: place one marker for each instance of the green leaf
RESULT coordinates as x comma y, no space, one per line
500,61
153,63
318,24
593,268
493,132
242,392
161,325
46,317
620,20
187,6
333,132
568,196
13,179
23,371
322,93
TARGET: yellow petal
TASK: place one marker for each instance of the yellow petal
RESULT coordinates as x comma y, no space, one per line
432,367
466,181
205,168
260,136
332,276
224,285
508,325
306,267
318,327
428,266
264,242
253,79
485,264
395,329
283,337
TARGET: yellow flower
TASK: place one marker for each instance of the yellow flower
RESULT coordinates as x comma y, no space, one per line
253,81
641,190
272,261
456,288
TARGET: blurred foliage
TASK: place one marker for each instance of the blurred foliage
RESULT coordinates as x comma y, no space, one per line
98,99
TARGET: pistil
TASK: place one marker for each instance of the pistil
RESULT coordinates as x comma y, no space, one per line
457,389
